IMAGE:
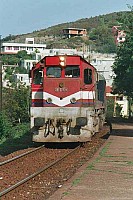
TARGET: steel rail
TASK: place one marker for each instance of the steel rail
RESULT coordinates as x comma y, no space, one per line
35,174
24,154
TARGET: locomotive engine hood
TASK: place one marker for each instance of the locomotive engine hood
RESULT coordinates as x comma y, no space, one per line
61,92
62,82
62,88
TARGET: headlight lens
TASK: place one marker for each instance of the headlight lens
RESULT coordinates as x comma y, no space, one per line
62,58
73,100
49,100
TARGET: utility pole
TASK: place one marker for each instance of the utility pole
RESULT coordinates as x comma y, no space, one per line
0,78
89,53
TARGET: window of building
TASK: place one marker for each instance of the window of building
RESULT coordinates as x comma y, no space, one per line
94,60
72,71
87,76
8,48
119,98
30,48
38,57
28,65
99,61
16,48
22,48
30,42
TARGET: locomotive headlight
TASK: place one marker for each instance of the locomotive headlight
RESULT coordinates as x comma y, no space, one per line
73,100
62,58
62,64
62,61
49,100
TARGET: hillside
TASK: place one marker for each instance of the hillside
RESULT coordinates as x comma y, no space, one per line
99,34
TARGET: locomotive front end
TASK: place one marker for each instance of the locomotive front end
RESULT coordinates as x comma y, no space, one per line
63,97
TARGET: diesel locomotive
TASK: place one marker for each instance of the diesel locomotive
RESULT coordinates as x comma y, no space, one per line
68,99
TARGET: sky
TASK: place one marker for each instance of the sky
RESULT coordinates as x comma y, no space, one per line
26,16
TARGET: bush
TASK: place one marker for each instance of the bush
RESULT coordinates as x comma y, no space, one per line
5,126
20,130
110,107
118,109
10,132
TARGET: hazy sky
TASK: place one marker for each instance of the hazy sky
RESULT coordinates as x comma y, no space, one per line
25,16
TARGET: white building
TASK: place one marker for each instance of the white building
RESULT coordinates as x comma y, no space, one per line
29,46
23,78
28,64
123,103
103,63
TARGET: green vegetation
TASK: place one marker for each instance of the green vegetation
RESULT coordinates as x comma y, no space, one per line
16,103
19,138
9,132
5,126
14,119
110,108
118,110
123,65
14,59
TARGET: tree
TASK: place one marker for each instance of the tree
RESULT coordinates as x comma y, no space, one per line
23,55
10,59
16,103
123,65
14,59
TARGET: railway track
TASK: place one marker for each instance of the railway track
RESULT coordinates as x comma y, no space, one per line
49,169
20,156
31,176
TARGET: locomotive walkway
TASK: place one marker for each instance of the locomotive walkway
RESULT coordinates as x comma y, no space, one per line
108,175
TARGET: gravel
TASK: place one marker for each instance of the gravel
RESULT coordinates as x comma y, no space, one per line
45,184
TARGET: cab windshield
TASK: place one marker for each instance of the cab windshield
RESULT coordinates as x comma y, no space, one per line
72,71
53,72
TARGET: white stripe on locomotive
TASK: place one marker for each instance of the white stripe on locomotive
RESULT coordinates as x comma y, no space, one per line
66,100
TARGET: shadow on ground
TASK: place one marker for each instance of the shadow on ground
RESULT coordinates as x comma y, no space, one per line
12,145
122,132
121,127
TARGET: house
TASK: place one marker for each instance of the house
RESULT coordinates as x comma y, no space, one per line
71,32
29,46
119,35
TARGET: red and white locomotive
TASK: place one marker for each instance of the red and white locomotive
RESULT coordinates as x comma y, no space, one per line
68,99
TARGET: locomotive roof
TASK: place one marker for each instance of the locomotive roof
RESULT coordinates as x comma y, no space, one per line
42,60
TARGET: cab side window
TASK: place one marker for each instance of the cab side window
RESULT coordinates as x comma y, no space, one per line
38,77
87,76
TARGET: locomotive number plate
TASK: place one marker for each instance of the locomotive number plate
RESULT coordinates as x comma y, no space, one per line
64,89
